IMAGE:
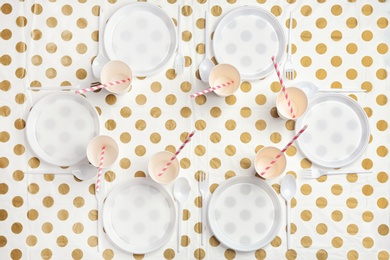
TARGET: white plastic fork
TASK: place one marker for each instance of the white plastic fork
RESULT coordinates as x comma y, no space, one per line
288,65
314,173
203,188
179,59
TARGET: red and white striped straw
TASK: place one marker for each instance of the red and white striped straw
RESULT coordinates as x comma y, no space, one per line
212,89
282,151
175,155
283,87
100,168
93,88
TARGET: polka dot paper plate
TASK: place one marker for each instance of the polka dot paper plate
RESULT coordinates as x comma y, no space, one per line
247,38
139,216
59,127
338,131
142,35
244,213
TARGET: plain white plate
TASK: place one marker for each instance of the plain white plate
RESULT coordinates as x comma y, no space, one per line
244,213
142,35
247,38
60,126
338,130
139,216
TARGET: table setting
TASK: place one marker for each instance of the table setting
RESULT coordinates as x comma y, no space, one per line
174,129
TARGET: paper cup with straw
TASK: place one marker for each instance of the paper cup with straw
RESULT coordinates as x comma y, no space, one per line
164,167
116,70
158,162
222,74
284,91
270,162
94,149
299,103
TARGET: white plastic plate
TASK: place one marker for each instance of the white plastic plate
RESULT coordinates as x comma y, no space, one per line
139,216
244,213
338,130
142,35
60,126
247,38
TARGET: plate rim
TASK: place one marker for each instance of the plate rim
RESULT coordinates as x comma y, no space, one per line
363,116
155,8
106,216
266,188
31,121
278,57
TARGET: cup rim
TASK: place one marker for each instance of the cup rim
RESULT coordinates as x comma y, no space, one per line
258,171
154,178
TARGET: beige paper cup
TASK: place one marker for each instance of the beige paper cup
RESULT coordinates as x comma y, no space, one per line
116,70
221,74
298,101
158,162
262,159
94,150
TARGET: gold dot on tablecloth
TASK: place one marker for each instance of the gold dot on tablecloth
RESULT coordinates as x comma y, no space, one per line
109,176
140,125
185,112
17,201
368,242
276,242
214,242
48,201
3,214
186,214
32,214
230,124
306,241
230,254
141,99
352,229
46,253
352,255
110,124
93,215
169,253
111,100
17,228
275,87
63,214
230,150
245,137
199,254
321,23
155,138
231,100
33,188
170,124
125,163
155,112
78,228
261,99
337,242
31,240
63,188
382,177
306,215
4,162
321,228
6,34
78,202
16,254
382,48
3,188
77,254
62,241
185,163
92,241
215,163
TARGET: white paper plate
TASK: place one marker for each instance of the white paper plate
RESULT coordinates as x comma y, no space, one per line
139,216
338,130
142,35
244,213
247,38
59,127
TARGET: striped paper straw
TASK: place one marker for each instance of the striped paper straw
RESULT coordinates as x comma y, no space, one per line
93,88
283,87
211,89
175,155
284,149
100,168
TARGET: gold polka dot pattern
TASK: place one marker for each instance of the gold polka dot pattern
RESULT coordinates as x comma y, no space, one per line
335,45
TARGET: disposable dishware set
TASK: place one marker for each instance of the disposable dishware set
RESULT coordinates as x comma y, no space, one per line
139,216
